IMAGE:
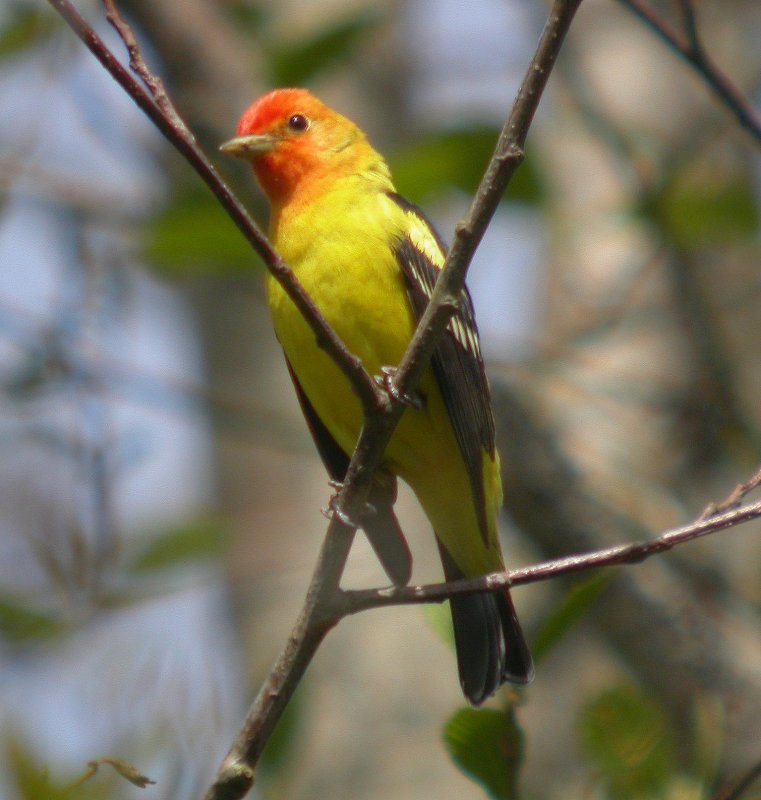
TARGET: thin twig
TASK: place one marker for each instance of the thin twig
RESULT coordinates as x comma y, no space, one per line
137,64
370,394
323,606
632,553
689,23
123,768
736,790
734,498
319,614
444,301
689,48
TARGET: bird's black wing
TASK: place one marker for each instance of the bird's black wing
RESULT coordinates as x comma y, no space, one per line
457,362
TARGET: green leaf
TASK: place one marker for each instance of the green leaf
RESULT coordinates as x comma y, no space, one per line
570,609
707,207
295,64
194,236
709,734
196,540
456,159
31,781
24,27
438,617
245,16
626,735
487,745
20,623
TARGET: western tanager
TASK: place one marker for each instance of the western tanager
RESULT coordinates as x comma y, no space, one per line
369,260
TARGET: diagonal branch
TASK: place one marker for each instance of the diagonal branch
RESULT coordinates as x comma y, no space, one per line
631,553
689,47
506,159
154,102
734,498
324,607
326,604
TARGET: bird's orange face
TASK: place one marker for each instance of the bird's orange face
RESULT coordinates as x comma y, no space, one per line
292,141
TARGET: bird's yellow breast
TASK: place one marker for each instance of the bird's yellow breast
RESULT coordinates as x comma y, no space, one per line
341,247
359,289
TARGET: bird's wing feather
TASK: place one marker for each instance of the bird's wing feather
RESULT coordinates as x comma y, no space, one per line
457,362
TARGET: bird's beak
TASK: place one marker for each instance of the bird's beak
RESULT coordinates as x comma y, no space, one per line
249,147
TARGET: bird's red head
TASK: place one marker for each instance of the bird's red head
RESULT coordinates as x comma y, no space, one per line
294,142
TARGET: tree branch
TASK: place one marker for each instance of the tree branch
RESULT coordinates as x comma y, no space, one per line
507,157
326,604
322,608
155,103
688,46
632,553
735,790
734,498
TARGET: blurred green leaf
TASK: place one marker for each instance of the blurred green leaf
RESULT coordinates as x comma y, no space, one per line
247,16
627,737
296,63
196,540
457,159
487,745
701,208
570,609
709,726
438,617
24,25
25,775
194,236
34,782
19,622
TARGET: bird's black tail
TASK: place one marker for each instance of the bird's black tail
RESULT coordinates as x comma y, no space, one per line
490,645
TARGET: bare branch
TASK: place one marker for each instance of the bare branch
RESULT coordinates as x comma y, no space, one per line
734,498
137,64
688,46
180,137
506,159
321,609
633,553
737,789
323,606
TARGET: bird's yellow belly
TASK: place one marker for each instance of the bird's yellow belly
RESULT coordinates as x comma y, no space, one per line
374,330
359,288
423,450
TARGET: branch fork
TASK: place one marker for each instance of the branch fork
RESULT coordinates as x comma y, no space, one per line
326,603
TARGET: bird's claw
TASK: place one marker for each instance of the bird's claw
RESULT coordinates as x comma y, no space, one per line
386,380
335,510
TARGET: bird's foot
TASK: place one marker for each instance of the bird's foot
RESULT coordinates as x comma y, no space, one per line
334,509
386,380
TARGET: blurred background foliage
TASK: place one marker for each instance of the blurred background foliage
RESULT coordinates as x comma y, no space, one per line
159,496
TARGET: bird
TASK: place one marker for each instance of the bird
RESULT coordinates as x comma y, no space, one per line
369,259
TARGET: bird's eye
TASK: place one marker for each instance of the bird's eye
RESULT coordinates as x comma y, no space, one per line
298,123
